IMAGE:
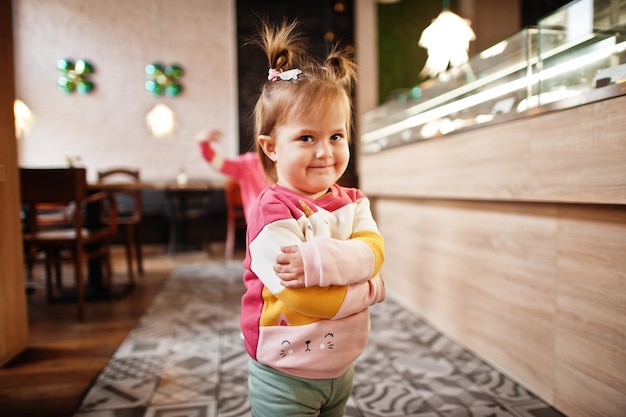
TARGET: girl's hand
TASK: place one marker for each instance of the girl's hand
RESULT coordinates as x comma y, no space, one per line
204,139
209,135
289,267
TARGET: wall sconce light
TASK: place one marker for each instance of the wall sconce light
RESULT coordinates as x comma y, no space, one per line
447,41
164,79
161,121
74,76
24,118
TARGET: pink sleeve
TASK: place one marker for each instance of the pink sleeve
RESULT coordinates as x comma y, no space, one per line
240,166
207,151
330,261
362,295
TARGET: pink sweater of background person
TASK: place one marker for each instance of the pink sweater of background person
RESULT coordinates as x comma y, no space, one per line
245,168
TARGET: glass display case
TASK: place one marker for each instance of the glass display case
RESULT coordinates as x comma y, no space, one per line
581,48
578,48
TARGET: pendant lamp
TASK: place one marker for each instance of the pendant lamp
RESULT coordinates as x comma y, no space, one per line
446,40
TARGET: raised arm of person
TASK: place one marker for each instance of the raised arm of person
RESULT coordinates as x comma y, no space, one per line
205,139
238,167
245,168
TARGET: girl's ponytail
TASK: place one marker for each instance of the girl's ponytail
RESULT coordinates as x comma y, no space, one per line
283,45
341,67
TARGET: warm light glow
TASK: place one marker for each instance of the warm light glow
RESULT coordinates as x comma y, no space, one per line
24,118
182,178
161,121
447,41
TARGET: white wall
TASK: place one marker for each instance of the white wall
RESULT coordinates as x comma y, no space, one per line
120,37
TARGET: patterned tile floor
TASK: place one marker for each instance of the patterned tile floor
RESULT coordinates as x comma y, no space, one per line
185,358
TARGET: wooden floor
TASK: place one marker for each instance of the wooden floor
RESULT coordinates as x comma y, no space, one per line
63,355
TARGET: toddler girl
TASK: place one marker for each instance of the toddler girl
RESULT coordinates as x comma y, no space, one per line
314,250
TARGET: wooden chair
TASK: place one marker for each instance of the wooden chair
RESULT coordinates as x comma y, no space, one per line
53,215
77,243
235,218
123,183
49,215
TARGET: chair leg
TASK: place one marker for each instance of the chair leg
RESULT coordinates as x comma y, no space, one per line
129,245
80,284
48,266
30,263
138,251
108,276
173,236
57,268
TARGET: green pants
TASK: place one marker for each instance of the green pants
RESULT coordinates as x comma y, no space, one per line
273,393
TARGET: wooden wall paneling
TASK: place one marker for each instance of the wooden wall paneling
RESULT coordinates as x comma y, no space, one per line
538,290
579,155
13,315
590,351
484,274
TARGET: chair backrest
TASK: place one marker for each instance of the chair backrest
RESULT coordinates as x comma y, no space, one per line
40,187
119,175
129,199
52,185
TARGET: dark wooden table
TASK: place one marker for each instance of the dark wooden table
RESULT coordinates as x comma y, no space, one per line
187,205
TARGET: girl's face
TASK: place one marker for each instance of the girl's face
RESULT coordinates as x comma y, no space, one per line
309,150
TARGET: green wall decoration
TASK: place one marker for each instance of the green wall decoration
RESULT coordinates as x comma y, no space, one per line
164,79
75,76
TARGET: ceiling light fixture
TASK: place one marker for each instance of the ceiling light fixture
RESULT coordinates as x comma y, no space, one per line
447,41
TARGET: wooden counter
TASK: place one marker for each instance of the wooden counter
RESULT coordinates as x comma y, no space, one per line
511,239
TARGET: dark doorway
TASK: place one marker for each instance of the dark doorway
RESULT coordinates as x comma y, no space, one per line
317,19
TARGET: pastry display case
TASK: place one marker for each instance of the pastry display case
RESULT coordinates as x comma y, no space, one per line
579,48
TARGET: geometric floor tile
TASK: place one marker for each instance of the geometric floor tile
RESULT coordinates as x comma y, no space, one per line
183,410
183,389
185,358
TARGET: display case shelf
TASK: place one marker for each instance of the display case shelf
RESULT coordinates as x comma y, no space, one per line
577,49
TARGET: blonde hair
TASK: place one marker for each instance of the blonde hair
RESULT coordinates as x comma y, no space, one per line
318,84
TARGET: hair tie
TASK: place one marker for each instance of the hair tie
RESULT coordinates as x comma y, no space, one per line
275,75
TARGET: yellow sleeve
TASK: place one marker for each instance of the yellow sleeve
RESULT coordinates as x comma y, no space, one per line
376,243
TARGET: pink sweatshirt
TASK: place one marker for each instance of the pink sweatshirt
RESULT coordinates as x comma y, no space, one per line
317,331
